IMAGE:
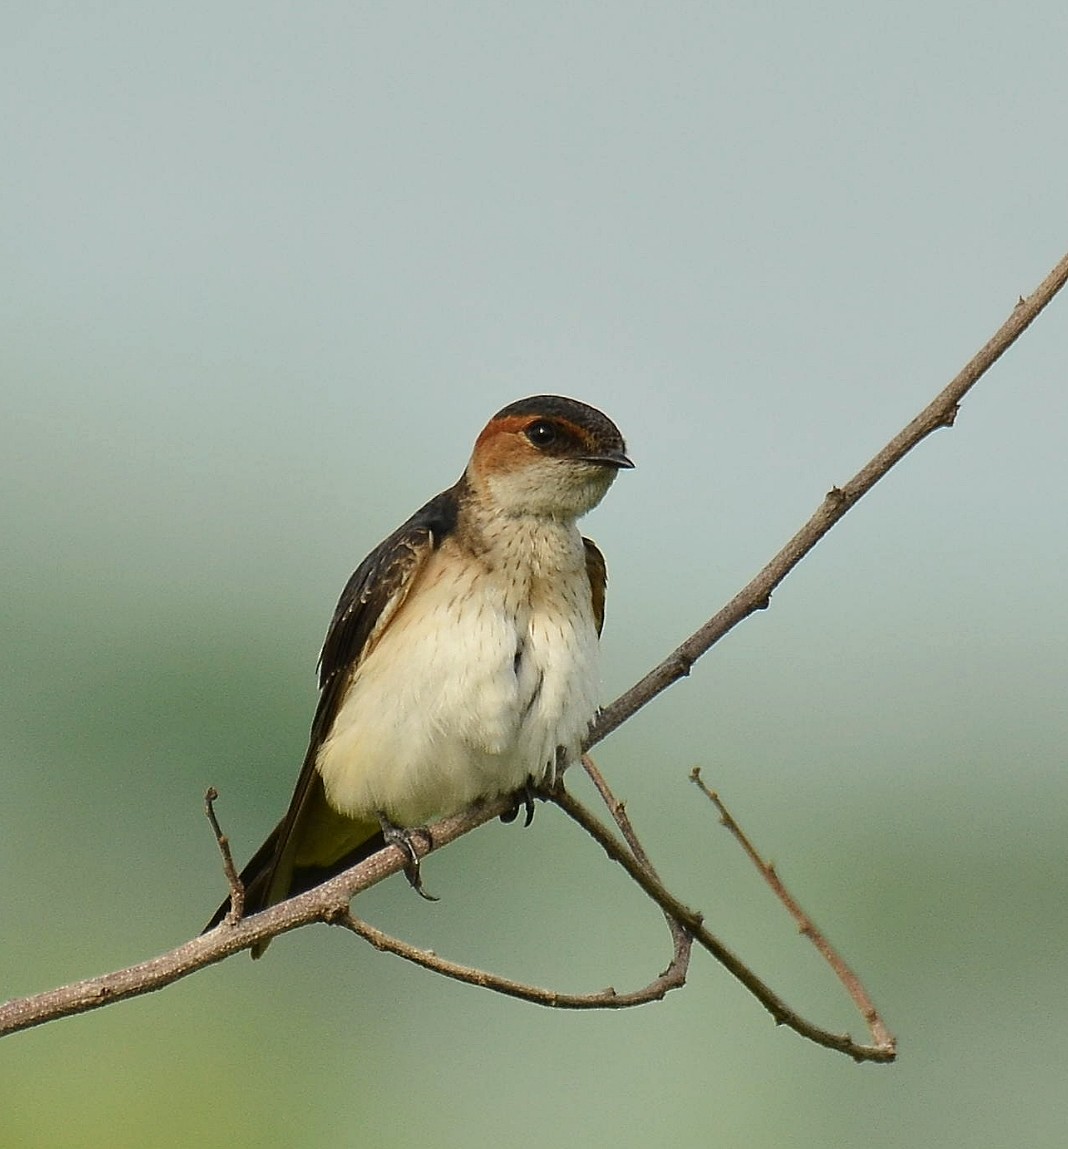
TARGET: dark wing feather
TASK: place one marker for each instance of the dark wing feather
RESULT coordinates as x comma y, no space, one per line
371,598
597,573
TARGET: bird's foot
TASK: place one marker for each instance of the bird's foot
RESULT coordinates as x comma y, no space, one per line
403,838
524,800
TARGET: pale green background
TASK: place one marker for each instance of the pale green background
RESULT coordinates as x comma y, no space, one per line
266,270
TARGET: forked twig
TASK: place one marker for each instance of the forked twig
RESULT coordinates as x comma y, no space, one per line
618,810
881,1036
674,977
693,922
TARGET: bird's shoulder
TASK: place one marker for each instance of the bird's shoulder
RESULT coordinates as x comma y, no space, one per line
597,573
379,585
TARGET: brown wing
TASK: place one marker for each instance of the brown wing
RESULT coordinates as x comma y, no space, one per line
597,573
369,602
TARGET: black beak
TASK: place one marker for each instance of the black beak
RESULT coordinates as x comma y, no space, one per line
610,459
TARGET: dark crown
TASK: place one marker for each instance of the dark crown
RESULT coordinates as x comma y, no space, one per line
595,423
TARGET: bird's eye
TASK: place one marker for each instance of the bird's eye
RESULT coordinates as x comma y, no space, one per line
542,433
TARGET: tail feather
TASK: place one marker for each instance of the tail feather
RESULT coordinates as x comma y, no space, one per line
256,877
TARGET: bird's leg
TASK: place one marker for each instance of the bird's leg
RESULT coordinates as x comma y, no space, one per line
401,837
524,799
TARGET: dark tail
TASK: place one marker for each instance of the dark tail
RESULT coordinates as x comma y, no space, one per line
256,876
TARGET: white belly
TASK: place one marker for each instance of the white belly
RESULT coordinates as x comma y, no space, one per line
468,693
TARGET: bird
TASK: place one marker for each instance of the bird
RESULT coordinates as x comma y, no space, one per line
461,662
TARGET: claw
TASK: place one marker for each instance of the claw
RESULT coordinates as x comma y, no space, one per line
402,838
524,800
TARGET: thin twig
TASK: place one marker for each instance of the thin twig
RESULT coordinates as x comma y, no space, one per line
674,977
756,596
618,810
233,880
881,1036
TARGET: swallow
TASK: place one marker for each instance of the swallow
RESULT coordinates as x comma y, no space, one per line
461,660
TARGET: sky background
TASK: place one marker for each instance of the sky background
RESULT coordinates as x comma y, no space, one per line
265,271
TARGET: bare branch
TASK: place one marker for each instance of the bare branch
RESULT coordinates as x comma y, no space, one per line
322,904
881,1036
674,977
941,412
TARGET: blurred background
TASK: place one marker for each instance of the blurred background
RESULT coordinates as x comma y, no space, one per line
266,271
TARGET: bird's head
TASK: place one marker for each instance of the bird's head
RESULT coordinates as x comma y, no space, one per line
547,456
